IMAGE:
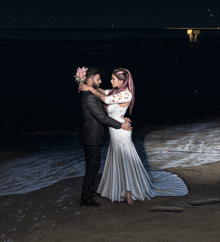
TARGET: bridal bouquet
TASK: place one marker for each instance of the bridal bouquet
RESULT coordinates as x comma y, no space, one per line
81,75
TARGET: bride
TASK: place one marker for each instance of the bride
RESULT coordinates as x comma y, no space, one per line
124,176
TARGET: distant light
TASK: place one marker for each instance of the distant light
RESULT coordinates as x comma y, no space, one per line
208,9
210,14
112,25
195,90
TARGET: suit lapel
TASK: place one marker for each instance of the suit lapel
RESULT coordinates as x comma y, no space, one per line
100,104
99,101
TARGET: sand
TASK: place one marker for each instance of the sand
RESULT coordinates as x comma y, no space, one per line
44,216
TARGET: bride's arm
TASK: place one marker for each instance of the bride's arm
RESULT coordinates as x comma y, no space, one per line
121,97
101,90
85,87
98,92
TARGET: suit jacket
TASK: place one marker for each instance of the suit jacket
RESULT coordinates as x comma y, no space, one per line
94,116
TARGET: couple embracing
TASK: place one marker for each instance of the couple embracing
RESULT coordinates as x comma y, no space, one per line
124,177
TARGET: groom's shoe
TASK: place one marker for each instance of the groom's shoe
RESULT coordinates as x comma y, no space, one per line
95,194
89,203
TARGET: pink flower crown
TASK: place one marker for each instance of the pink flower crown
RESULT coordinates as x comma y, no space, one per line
81,75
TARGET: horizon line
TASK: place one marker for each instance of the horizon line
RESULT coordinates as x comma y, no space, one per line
168,28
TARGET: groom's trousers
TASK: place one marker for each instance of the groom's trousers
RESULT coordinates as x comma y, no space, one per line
92,157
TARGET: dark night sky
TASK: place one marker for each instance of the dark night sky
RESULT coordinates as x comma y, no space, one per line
108,14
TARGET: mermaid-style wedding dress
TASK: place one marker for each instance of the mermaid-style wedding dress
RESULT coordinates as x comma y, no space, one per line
124,171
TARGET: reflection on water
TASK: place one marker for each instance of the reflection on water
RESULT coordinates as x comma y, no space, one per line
186,145
193,34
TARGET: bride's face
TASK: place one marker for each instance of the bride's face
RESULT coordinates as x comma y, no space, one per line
116,83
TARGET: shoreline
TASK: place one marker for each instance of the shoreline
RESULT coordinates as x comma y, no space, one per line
8,143
24,144
53,213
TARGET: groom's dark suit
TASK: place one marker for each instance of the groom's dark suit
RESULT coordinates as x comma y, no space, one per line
92,137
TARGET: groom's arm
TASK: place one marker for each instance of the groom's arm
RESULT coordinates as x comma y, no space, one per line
99,114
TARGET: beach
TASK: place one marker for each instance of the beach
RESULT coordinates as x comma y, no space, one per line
176,129
53,213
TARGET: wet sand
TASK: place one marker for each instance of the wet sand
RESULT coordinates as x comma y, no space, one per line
53,213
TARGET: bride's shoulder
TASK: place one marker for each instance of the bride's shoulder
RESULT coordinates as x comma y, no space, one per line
126,91
125,94
107,91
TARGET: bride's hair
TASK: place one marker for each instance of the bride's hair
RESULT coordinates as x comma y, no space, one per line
91,72
125,76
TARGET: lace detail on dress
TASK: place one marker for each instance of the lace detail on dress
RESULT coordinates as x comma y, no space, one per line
121,97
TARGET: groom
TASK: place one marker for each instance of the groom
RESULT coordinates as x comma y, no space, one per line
92,135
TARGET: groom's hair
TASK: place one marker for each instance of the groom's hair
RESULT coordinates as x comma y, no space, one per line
91,72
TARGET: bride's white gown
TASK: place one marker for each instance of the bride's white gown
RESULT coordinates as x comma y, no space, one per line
124,170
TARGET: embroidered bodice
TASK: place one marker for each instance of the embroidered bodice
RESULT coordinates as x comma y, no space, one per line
114,110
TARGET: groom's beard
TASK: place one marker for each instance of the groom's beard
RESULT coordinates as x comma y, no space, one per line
94,85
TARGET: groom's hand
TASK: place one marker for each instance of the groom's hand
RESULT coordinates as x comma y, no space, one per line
127,120
126,126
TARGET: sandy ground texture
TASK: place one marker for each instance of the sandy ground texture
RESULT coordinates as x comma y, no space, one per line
53,213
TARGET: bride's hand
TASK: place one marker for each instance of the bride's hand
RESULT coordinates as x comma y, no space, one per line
83,87
127,120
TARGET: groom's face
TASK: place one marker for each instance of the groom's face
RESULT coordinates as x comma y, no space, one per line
96,81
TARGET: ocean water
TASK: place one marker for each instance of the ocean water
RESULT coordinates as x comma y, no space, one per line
181,145
55,160
176,84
